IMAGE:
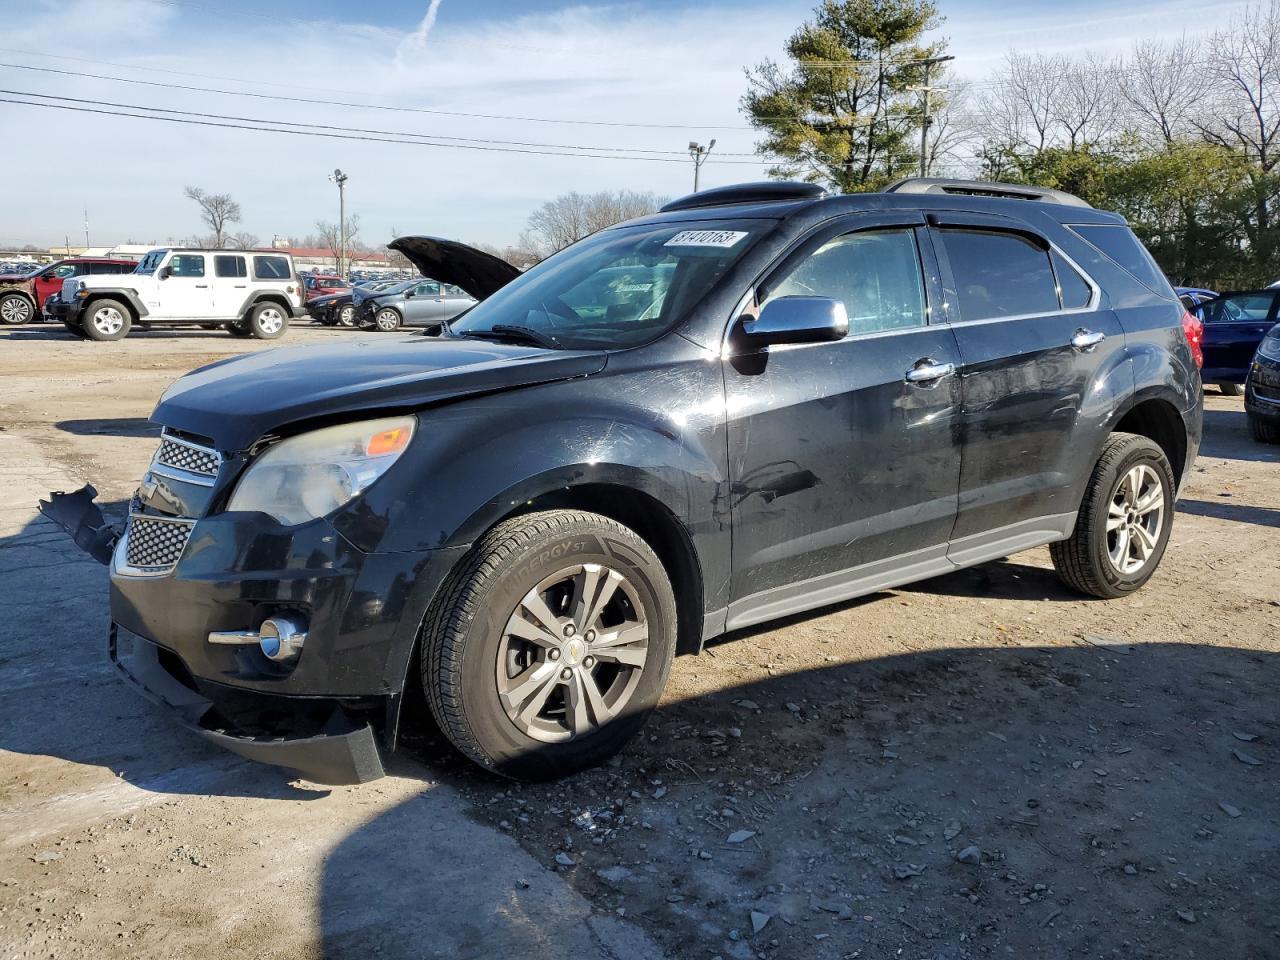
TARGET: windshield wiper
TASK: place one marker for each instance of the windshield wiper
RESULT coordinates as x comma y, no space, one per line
510,331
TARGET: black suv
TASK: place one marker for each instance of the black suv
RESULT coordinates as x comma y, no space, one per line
756,402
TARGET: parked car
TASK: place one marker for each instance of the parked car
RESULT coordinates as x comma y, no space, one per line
22,296
249,293
331,308
414,303
319,285
1262,389
1234,325
1195,299
760,401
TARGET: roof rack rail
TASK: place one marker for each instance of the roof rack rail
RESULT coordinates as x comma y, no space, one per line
985,188
763,192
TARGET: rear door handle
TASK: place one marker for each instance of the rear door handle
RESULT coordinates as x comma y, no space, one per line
927,371
1087,339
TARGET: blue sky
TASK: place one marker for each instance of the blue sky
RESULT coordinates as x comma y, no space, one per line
670,69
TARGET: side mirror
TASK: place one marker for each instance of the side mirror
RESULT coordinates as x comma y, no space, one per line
410,294
794,320
166,273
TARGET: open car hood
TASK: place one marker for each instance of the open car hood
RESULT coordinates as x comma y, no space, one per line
478,273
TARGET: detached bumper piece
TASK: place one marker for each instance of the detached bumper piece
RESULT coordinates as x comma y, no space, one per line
341,752
77,514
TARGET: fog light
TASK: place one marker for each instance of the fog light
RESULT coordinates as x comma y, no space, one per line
281,639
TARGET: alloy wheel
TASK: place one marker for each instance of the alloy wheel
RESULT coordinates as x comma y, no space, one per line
572,653
15,310
270,320
1135,518
387,320
107,320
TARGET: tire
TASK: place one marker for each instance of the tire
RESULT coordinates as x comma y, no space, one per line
16,309
1230,389
469,652
1087,560
387,320
238,328
267,321
75,329
1264,431
346,316
106,320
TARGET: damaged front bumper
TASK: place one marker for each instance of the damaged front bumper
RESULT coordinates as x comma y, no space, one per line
342,751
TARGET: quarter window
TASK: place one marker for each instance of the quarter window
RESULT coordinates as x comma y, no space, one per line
1073,289
1120,245
229,267
186,265
999,274
272,268
875,274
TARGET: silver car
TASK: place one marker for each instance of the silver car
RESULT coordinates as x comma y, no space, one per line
416,303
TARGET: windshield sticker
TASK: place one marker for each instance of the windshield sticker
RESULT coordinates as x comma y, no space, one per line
706,238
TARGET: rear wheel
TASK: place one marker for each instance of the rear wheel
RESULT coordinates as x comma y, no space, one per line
15,309
106,320
1230,389
1264,431
550,645
1123,525
267,321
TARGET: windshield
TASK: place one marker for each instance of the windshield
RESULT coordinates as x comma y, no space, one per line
149,263
619,288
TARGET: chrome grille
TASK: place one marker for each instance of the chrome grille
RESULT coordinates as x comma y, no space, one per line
188,457
154,544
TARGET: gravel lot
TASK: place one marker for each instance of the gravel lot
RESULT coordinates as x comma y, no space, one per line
982,765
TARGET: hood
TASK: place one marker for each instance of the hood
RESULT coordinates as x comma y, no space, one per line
478,273
325,299
236,401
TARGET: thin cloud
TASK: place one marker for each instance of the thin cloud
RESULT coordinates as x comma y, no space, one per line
416,42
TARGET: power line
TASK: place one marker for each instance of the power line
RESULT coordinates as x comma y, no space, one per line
315,101
271,126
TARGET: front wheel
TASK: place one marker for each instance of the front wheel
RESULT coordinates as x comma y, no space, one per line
15,309
267,321
1230,389
550,645
1123,525
106,320
387,320
1264,431
347,316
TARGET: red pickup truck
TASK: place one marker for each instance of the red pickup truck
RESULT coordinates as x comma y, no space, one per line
22,296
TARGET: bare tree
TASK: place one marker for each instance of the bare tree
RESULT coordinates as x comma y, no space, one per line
1164,86
243,240
951,132
1244,64
1020,107
217,210
1085,105
329,237
572,216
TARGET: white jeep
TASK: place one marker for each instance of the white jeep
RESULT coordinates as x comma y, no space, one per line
247,292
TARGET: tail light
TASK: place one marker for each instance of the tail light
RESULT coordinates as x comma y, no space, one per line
1194,329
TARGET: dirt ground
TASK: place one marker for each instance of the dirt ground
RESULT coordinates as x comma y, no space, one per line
981,765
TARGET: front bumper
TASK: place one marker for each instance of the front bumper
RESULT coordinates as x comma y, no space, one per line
340,751
1262,390
59,309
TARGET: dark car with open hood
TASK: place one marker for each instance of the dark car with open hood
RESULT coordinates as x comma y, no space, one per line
758,401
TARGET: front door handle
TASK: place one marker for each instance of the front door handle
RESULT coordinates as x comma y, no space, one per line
1087,339
927,371
202,286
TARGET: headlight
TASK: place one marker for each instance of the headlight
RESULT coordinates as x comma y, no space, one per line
1270,348
313,474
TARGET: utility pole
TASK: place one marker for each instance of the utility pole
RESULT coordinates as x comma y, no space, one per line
927,119
340,179
86,226
699,154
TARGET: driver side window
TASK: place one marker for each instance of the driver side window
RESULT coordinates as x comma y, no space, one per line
876,274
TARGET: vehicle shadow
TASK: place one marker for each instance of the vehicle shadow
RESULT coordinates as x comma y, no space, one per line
62,698
1226,510
110,427
1047,801
999,580
1226,436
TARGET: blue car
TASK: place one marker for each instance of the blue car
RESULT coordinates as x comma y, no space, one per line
1234,325
1262,389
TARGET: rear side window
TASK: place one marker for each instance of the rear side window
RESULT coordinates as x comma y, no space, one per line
271,268
186,265
999,274
1073,288
1241,307
875,274
229,267
1119,244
